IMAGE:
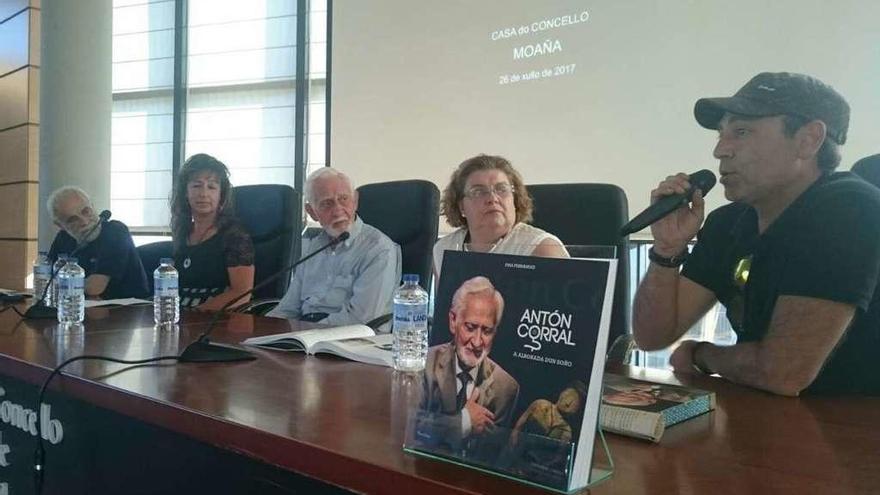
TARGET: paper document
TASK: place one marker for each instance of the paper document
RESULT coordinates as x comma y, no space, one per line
129,301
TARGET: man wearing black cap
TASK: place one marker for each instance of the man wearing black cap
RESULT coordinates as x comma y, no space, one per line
795,258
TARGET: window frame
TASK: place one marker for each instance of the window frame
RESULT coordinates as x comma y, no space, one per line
302,85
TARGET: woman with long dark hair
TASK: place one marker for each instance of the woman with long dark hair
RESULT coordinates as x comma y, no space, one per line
212,251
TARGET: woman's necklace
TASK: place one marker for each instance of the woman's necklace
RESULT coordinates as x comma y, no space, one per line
187,262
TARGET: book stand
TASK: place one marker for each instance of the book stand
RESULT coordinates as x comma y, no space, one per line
532,459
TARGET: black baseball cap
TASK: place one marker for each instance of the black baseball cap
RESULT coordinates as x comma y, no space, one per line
780,93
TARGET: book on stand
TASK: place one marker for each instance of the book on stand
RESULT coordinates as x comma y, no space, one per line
514,369
644,410
354,342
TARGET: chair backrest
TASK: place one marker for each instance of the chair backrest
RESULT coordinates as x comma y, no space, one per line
589,214
150,255
407,211
268,212
868,168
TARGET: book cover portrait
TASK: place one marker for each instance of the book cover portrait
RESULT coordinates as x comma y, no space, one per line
511,361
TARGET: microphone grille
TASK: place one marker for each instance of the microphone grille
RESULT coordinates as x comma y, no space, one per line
703,180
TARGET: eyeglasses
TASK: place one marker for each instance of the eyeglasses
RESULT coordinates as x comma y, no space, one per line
501,189
328,203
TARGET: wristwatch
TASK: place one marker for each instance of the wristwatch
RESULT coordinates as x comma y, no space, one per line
671,262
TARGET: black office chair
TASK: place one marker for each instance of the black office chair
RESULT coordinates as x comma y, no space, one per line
868,168
407,211
150,255
589,215
267,211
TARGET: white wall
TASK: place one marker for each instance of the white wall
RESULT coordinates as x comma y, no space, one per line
415,86
75,103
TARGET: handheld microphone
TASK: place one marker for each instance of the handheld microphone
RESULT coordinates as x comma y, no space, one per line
704,180
39,308
202,350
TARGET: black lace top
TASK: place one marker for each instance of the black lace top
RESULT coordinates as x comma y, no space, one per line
202,267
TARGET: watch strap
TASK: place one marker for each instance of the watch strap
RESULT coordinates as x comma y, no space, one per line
670,262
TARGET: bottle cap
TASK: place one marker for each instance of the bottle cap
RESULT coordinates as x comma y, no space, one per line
166,261
410,278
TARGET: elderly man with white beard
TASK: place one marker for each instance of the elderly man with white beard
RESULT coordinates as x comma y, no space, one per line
106,251
352,282
462,383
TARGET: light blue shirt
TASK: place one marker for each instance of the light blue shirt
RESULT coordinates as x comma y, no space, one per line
353,282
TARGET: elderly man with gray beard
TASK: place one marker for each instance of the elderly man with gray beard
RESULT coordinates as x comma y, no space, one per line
354,281
106,250
466,397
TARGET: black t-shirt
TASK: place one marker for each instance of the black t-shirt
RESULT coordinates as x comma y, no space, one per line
825,245
112,254
202,267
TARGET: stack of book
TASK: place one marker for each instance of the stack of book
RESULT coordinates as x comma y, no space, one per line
643,409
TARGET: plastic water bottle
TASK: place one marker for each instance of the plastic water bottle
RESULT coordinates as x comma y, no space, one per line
166,301
42,272
71,296
410,343
52,295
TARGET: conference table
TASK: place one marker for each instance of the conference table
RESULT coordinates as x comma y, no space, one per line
292,423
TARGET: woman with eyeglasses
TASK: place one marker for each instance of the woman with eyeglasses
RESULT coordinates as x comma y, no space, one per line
212,251
488,202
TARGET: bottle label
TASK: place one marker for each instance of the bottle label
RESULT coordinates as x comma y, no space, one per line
411,314
71,284
44,271
165,287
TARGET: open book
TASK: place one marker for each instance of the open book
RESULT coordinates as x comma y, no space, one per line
129,301
11,296
355,342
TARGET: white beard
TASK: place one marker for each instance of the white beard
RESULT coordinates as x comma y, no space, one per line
91,237
334,232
